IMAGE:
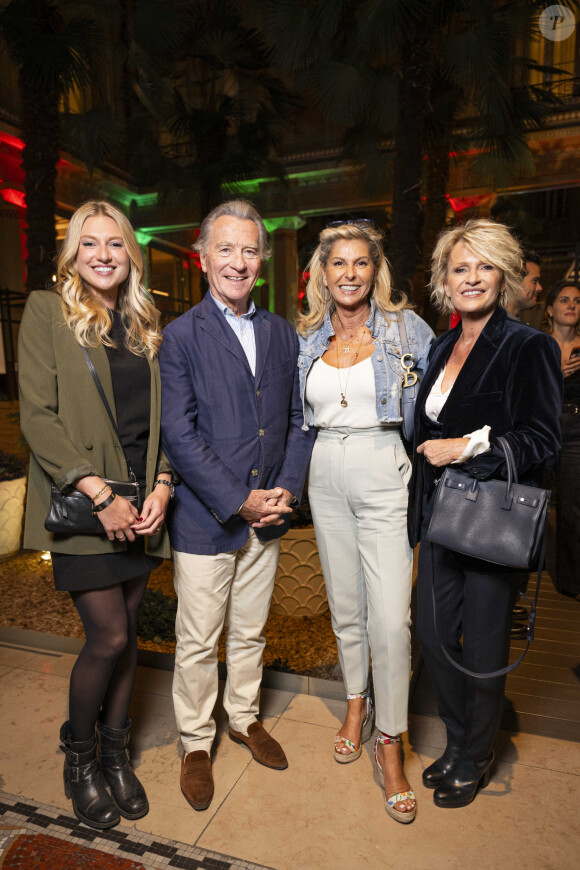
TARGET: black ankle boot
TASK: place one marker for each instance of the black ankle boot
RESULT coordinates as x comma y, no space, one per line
434,775
461,784
128,793
84,783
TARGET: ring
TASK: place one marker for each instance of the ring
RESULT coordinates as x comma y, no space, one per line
120,537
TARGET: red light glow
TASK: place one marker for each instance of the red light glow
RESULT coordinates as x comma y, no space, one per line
13,141
16,197
459,203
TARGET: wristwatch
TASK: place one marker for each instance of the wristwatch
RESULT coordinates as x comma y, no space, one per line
168,483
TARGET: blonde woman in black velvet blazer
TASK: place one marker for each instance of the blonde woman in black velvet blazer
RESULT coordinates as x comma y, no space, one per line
490,376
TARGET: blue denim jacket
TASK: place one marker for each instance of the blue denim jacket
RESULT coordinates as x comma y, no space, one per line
386,358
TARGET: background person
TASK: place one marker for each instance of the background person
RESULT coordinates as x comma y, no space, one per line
232,426
100,302
526,295
351,374
490,376
524,299
563,323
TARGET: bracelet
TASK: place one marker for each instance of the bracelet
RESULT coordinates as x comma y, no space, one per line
167,483
104,504
101,491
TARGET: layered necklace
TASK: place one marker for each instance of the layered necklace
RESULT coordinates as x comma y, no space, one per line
346,348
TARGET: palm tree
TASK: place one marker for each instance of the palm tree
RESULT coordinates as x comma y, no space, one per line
406,73
53,46
229,112
178,92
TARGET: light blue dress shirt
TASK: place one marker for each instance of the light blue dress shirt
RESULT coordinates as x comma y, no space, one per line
243,327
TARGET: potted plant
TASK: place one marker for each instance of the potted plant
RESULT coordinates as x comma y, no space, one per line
12,493
299,589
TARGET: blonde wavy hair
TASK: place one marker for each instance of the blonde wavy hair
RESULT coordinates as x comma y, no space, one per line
320,300
88,319
492,243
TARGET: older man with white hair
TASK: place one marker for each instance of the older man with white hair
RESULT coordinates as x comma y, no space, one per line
232,428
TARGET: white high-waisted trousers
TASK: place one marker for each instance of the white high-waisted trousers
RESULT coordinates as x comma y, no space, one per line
358,495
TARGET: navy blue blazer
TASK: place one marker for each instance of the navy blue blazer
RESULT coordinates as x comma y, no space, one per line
225,430
511,381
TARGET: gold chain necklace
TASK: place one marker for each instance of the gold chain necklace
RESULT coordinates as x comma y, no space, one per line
346,343
343,401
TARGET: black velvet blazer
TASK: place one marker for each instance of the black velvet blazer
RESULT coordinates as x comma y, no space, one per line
510,381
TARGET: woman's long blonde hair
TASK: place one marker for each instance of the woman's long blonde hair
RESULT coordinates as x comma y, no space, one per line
89,320
320,301
490,241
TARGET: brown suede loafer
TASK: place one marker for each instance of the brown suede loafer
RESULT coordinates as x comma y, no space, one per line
263,747
196,779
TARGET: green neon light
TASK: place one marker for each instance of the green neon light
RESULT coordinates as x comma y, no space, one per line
260,282
126,197
252,185
143,239
290,222
170,228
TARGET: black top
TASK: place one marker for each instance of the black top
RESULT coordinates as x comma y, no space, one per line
572,389
131,378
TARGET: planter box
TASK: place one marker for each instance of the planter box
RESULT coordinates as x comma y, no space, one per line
12,494
299,589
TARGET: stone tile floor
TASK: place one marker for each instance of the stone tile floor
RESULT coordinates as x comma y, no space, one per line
317,815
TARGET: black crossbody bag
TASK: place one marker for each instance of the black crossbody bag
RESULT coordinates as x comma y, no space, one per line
71,512
499,521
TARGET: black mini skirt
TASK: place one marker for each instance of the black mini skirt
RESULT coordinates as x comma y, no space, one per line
97,571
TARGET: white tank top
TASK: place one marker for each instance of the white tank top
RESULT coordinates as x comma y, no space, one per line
323,391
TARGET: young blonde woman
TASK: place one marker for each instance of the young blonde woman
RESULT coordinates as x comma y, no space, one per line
351,380
563,323
99,303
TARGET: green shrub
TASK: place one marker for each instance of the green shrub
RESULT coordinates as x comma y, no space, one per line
156,618
11,467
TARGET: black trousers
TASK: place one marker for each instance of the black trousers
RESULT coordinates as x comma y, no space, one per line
474,605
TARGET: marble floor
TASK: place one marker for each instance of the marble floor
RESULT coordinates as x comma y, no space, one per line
316,815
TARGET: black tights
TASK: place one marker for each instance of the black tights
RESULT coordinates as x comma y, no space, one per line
104,673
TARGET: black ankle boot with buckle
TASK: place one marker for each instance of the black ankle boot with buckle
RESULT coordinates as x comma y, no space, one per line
128,793
84,783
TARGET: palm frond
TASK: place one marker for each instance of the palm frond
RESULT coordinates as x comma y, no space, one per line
342,91
382,24
92,135
293,33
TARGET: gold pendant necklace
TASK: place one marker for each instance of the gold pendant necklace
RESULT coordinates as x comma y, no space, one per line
342,392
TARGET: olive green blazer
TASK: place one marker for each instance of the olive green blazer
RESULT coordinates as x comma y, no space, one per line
67,427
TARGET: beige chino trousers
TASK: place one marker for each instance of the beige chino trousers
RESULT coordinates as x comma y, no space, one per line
235,589
358,494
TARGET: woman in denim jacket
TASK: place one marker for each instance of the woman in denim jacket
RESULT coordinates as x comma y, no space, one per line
351,377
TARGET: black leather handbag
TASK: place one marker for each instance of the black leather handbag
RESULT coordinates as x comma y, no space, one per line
410,386
499,521
71,512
